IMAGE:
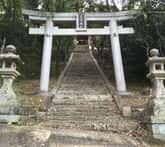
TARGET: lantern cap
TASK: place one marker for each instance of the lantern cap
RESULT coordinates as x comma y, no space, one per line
154,52
10,49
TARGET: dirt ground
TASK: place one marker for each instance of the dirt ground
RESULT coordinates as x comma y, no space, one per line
28,91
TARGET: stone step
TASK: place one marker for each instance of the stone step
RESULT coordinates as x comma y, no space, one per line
81,104
90,103
76,92
80,115
81,107
86,113
81,112
101,125
82,96
77,119
83,101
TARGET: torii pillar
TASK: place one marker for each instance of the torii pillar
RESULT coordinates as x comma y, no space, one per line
117,59
46,56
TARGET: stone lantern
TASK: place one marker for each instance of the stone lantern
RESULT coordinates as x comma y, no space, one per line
9,105
156,107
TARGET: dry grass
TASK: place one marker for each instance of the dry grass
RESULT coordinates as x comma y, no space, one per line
28,92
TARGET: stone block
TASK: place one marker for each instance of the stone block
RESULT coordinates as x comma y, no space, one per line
158,131
127,111
9,119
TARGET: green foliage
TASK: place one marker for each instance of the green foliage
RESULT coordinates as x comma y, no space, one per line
31,4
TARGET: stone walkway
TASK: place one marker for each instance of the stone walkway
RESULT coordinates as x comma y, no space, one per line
36,136
82,99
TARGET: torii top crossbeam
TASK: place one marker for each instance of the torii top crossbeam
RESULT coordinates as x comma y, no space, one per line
81,20
57,16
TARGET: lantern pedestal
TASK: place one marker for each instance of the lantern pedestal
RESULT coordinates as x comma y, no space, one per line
154,115
9,104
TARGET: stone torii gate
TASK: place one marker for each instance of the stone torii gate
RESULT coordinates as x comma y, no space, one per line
81,20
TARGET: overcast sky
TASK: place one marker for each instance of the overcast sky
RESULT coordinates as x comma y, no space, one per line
119,3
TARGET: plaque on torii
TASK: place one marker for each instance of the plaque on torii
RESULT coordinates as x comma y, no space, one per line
81,23
81,19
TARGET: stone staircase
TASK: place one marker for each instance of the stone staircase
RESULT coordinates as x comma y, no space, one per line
82,99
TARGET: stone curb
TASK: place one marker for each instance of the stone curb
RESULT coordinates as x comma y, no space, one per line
54,90
125,110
